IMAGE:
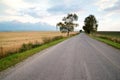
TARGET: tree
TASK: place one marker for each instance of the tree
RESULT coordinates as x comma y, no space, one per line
67,25
90,24
80,31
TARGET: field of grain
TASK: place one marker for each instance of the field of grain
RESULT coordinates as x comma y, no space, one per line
110,33
113,36
12,41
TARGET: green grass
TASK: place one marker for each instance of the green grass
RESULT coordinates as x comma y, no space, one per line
109,37
18,57
109,42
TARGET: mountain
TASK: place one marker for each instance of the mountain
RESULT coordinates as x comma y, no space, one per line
18,26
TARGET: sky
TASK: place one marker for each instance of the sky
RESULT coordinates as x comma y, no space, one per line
25,15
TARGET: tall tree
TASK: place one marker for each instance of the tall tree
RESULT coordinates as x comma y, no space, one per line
67,25
90,24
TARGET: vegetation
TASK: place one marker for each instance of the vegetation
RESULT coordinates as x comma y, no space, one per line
110,33
67,25
15,58
80,31
109,42
111,38
27,51
14,42
90,24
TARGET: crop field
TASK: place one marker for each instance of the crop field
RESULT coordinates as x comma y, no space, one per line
110,33
113,36
12,41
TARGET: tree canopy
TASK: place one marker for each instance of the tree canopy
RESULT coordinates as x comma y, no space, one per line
90,24
67,25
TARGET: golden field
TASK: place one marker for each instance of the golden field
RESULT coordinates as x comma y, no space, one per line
12,41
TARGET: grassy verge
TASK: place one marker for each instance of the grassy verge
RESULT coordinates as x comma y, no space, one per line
18,57
109,42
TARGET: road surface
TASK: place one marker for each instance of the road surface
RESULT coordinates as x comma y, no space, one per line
78,58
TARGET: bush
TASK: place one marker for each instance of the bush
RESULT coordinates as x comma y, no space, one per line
46,40
36,44
29,46
57,37
23,47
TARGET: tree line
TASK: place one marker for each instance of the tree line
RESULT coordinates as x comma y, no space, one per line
67,25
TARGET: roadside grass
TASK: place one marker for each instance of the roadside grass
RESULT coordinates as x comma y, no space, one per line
109,42
18,57
111,38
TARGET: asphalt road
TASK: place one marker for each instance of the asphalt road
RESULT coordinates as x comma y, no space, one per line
78,58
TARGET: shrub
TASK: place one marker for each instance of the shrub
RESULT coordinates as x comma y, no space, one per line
36,44
23,48
46,39
28,46
57,37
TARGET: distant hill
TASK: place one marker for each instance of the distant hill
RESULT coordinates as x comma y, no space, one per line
18,26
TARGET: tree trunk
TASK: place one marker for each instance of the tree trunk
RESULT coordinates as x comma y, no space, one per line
68,33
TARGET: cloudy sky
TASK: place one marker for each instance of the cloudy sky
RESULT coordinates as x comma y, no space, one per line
44,14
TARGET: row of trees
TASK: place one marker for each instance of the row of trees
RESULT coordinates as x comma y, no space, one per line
67,25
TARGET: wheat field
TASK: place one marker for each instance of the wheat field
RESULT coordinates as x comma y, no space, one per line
12,41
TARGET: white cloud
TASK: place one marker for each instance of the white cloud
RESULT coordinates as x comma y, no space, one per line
108,23
16,4
109,26
22,11
21,5
109,20
11,12
23,19
52,19
103,4
52,11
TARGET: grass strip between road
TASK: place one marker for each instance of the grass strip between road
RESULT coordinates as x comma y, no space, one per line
18,57
109,42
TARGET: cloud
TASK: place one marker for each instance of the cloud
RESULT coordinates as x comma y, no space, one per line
36,12
109,22
16,4
52,11
22,11
52,19
104,4
23,19
63,9
11,12
65,6
115,8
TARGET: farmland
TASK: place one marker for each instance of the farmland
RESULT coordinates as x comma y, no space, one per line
110,33
8,39
12,41
111,38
